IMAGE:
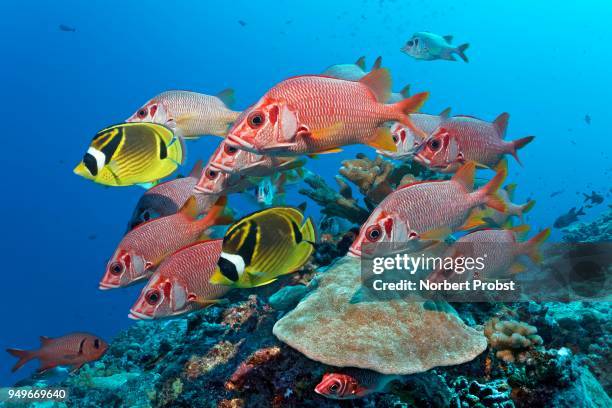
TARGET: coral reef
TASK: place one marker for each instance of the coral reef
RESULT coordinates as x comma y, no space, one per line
287,297
599,230
513,340
391,337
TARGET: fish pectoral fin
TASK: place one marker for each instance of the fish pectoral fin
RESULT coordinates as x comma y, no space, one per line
264,282
334,150
383,140
436,234
476,219
324,132
205,302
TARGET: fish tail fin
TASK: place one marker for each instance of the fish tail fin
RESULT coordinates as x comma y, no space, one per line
461,51
492,198
518,144
534,244
23,355
219,214
410,105
528,206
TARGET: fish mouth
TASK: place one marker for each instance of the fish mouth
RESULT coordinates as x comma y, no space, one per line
134,315
107,286
355,253
202,190
237,142
222,167
422,159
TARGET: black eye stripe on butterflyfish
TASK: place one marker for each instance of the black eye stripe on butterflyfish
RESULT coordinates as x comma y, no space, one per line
247,249
111,146
90,162
163,149
228,269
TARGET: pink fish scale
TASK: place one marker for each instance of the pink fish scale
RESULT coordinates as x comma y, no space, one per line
479,141
432,205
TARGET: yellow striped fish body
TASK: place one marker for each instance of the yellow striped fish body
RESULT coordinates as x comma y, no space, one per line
131,153
263,246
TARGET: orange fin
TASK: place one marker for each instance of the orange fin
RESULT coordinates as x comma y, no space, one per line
436,234
475,220
492,199
206,302
520,229
501,124
328,131
219,214
465,175
410,105
528,206
190,208
533,245
334,150
519,143
379,82
383,140
23,355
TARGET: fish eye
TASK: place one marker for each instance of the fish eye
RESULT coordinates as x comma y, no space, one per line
255,119
373,233
230,150
395,139
410,43
97,343
211,174
146,215
142,113
152,297
116,268
334,387
435,144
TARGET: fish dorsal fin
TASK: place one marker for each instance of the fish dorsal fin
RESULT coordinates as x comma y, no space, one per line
405,92
445,114
377,63
196,171
44,340
510,189
227,96
501,124
190,208
465,175
448,38
361,62
379,82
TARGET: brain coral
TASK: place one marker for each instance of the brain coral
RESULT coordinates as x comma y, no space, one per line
390,337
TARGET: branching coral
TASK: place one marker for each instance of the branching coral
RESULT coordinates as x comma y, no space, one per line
513,340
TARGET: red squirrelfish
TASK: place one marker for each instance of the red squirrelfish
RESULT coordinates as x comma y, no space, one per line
143,248
428,210
181,283
500,250
72,350
315,114
190,114
406,141
168,197
463,138
214,182
354,383
229,159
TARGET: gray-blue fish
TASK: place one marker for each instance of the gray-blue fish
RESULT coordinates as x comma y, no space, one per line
430,46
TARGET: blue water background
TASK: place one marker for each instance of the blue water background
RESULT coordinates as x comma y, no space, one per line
545,62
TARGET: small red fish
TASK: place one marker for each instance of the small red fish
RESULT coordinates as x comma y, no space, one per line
497,219
355,384
463,138
316,114
73,350
181,283
168,197
143,248
499,248
231,160
428,210
215,182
